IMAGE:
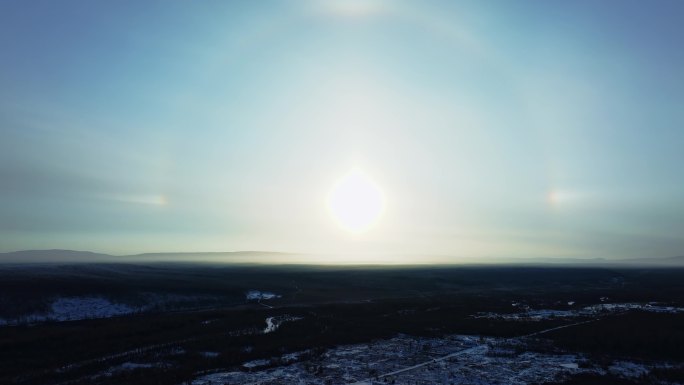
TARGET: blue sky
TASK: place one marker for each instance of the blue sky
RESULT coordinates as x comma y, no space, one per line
497,129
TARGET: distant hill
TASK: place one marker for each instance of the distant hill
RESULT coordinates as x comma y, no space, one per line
268,257
74,256
664,261
598,262
217,257
55,256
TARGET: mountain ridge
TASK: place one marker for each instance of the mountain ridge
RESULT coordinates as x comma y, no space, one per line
275,257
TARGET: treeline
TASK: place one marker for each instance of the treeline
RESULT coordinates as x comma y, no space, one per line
639,335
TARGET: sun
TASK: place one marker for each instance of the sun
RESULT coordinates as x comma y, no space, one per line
356,202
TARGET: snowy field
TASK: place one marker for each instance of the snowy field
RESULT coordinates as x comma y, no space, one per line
91,307
588,311
257,295
407,360
273,323
76,308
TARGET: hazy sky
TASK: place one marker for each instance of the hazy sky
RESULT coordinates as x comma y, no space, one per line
494,129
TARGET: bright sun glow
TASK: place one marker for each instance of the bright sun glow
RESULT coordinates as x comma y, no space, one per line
356,202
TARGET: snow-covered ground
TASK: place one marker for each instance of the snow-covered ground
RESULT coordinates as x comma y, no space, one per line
89,307
256,295
127,367
75,308
588,311
413,360
273,323
628,369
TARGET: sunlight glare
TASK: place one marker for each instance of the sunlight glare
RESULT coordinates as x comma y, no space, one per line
356,202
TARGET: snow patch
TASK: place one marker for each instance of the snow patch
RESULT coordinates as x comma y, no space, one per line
273,323
256,363
588,311
409,360
94,306
255,295
627,369
76,308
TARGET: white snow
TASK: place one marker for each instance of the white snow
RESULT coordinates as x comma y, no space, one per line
588,311
455,359
273,323
627,369
256,363
133,365
259,295
125,367
405,360
75,308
